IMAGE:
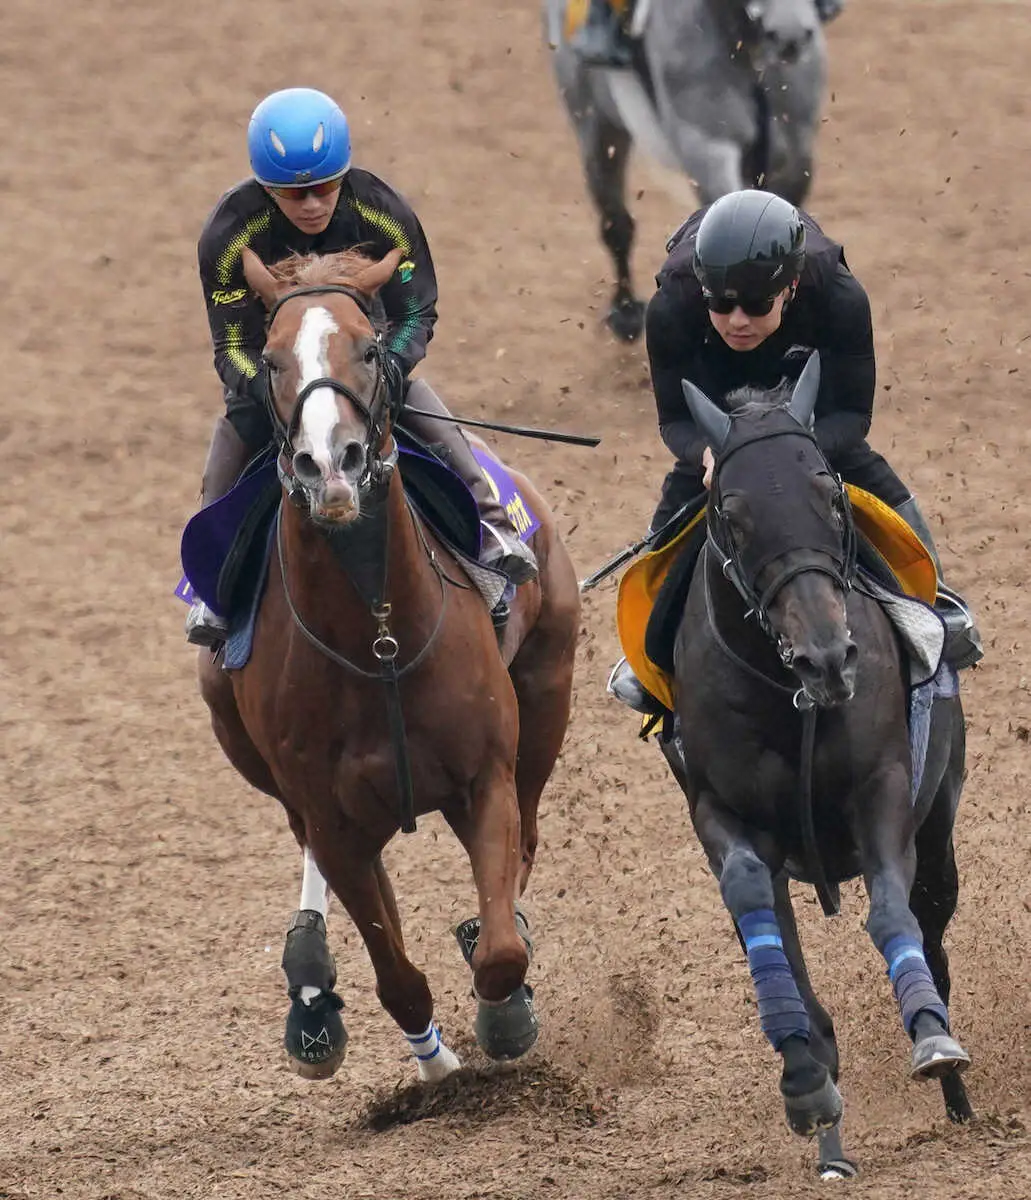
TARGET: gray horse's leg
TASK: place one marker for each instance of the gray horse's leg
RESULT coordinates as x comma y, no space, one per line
811,1100
604,150
936,890
832,1163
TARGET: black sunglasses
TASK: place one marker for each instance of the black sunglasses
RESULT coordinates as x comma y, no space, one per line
751,306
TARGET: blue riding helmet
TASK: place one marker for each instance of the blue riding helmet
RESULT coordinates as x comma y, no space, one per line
298,137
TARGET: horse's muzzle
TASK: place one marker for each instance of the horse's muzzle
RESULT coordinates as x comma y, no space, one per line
785,46
828,673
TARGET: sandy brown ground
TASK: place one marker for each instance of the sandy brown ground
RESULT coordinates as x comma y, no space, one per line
145,888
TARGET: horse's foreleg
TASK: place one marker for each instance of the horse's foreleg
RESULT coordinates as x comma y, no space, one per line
315,1037
494,946
823,1045
811,1100
885,835
362,886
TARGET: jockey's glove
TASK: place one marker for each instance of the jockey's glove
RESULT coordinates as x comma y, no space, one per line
394,371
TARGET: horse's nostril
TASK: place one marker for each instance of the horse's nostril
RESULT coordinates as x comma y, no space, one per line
351,459
305,467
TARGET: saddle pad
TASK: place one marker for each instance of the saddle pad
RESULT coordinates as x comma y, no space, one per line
222,547
877,524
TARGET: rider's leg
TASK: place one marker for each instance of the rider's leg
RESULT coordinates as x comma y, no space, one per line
228,454
680,485
864,467
502,547
601,40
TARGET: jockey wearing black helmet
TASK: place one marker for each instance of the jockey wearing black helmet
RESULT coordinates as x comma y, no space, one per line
751,287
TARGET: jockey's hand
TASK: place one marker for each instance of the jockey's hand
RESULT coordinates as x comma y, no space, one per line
708,466
395,376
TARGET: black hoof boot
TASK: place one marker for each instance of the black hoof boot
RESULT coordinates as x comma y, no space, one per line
811,1100
626,319
508,1029
315,1037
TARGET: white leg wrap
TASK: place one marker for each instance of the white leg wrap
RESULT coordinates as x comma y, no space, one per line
434,1060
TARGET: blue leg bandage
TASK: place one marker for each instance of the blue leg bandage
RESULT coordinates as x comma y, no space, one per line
912,981
782,1012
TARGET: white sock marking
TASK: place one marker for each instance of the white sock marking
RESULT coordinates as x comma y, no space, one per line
314,896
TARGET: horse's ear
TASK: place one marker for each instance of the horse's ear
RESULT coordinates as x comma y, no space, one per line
373,278
259,277
712,421
803,397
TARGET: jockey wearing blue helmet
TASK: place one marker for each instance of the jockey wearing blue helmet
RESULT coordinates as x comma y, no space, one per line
305,197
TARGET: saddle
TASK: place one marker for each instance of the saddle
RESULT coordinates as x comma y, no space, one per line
225,547
895,565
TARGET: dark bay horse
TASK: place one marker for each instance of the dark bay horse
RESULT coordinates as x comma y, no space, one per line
794,751
726,93
376,674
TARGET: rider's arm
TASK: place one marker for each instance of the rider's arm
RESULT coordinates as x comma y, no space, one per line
668,340
409,297
847,365
235,314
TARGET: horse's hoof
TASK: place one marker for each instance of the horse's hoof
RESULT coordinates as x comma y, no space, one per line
315,1038
936,1056
812,1111
626,320
509,1028
837,1168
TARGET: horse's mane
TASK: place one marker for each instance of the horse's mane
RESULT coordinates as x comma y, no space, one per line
314,270
751,401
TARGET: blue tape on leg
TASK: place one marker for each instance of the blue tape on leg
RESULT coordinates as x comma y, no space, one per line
782,1012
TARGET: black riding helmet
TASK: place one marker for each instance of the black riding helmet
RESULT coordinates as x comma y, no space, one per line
749,244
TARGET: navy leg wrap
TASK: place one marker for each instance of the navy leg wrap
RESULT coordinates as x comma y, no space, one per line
912,981
782,1011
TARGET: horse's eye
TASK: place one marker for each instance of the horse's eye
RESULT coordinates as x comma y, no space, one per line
371,354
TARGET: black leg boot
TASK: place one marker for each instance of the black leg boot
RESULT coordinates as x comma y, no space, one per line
502,547
228,454
962,639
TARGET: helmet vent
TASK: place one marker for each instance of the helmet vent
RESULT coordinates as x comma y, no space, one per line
277,143
319,138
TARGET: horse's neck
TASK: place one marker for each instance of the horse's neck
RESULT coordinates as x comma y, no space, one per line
378,558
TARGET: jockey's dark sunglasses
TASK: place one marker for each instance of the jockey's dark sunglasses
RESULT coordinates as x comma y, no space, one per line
751,306
300,193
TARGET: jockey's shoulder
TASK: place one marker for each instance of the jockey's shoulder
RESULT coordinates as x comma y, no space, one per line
244,204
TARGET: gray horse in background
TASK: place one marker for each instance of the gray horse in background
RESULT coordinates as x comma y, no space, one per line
726,92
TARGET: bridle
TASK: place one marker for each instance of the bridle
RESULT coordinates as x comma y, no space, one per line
377,410
841,568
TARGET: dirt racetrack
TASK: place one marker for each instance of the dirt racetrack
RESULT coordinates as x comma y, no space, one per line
145,888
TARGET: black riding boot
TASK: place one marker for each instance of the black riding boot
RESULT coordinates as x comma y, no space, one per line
228,454
601,41
962,639
502,547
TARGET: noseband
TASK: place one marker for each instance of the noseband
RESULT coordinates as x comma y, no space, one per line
376,410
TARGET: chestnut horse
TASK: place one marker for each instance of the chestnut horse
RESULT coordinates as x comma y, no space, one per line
377,688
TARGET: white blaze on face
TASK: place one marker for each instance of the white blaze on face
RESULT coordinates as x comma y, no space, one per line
319,417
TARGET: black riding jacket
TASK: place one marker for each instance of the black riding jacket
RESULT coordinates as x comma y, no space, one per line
830,313
369,215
